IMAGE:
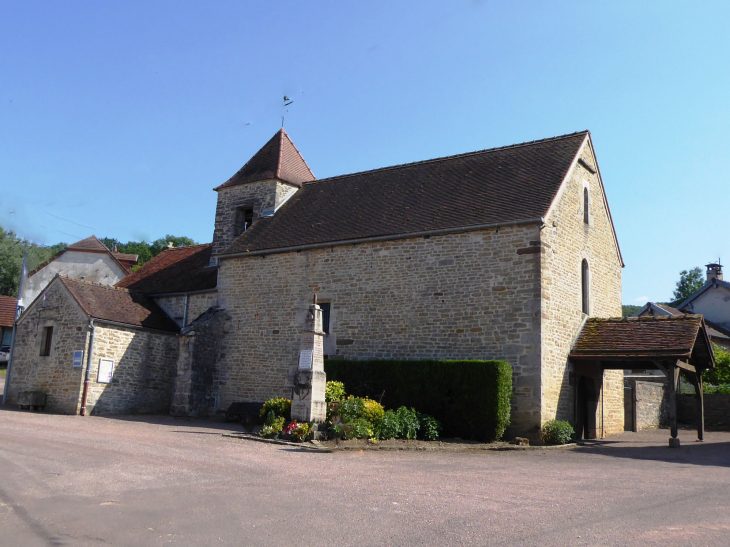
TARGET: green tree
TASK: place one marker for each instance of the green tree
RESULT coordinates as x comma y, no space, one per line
689,283
11,259
721,373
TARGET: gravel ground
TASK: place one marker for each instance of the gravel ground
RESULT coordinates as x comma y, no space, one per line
73,481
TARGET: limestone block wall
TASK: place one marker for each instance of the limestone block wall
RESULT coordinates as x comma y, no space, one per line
473,295
259,195
567,240
55,374
144,371
174,306
717,410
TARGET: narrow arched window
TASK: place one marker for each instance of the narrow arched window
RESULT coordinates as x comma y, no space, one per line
585,287
585,205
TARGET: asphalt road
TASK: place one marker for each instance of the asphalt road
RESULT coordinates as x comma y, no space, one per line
93,481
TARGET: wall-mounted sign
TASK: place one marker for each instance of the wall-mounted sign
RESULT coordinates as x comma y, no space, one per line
305,359
106,371
78,358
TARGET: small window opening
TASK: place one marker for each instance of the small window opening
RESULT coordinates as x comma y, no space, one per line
325,316
585,286
585,205
243,220
46,339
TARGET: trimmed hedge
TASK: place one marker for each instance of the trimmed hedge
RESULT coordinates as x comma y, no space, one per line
471,399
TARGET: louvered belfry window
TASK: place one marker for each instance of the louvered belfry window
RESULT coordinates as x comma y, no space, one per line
243,220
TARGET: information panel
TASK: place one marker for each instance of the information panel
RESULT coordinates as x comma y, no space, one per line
78,358
106,371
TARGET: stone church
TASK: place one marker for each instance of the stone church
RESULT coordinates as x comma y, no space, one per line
496,254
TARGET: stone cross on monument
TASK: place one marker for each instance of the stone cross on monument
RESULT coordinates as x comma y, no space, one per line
308,404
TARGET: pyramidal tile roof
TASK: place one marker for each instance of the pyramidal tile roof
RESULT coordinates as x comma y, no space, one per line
277,159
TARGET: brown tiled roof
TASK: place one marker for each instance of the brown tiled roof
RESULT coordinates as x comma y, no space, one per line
716,331
181,269
8,305
91,243
638,337
119,305
277,159
126,257
514,183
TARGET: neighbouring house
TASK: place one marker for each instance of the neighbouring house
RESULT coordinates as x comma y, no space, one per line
127,343
88,259
507,253
712,301
8,305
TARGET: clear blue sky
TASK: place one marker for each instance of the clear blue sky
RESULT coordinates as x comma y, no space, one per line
122,116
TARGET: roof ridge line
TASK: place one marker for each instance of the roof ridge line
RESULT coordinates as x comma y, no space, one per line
441,158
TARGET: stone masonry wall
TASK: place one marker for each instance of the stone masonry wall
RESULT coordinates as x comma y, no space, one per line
260,195
144,371
566,241
717,410
174,306
461,296
652,405
198,380
55,374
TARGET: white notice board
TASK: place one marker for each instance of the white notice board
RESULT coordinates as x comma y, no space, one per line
78,358
305,359
106,371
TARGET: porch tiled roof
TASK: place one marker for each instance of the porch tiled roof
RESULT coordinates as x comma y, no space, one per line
637,337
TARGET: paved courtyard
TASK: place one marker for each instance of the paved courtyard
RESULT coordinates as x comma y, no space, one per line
73,481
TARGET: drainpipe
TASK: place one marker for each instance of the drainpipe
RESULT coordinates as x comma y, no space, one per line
87,378
185,312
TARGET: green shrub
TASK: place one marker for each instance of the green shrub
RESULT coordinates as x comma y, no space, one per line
430,427
280,407
334,391
390,427
373,412
409,424
351,409
471,399
274,424
556,432
358,429
722,389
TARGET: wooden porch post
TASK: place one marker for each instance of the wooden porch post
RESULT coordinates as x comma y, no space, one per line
673,377
700,407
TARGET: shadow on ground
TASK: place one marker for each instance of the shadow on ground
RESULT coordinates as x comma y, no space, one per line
713,452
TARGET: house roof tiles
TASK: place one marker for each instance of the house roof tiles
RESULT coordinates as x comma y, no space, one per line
8,305
277,159
118,305
500,185
175,270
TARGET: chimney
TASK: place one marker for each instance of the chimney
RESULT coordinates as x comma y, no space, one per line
714,271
